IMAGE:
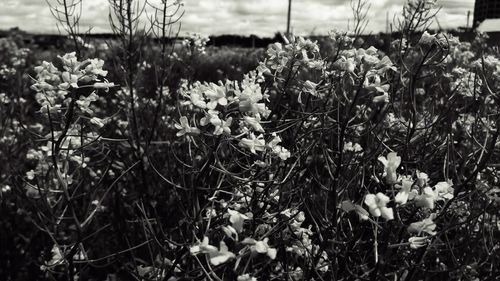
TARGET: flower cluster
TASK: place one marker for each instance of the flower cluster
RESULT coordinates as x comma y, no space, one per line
369,64
234,110
53,85
195,42
297,54
416,190
73,88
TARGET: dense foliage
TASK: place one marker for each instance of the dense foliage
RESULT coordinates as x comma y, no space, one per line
129,161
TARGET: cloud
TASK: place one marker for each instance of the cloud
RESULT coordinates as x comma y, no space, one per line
260,17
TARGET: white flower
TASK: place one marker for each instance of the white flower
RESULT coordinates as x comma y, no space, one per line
216,94
84,102
197,100
404,194
185,128
345,64
254,122
310,87
30,174
377,206
224,127
281,152
353,147
422,179
425,226
391,163
275,51
274,142
253,143
70,61
370,60
278,150
69,80
426,199
260,247
443,190
417,242
230,232
204,247
373,83
211,116
248,99
222,255
6,188
237,219
246,277
99,122
95,67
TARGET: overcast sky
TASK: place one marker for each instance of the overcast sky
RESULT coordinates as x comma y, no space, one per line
260,17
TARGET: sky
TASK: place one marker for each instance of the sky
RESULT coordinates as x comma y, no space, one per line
244,17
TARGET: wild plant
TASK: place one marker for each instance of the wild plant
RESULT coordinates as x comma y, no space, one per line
346,164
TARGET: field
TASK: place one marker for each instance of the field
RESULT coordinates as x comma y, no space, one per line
139,158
